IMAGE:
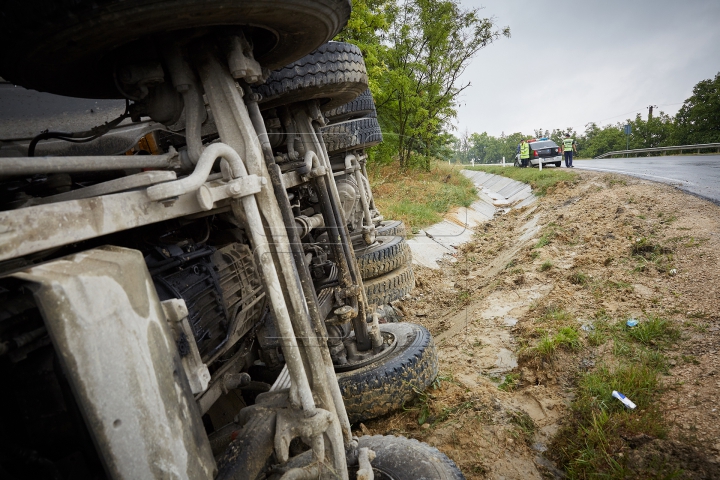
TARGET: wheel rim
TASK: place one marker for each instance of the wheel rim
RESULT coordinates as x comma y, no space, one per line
388,339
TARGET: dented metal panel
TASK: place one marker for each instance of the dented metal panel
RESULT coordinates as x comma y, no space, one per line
111,335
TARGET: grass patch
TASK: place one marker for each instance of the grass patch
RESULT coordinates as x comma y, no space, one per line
579,278
510,382
654,331
554,314
525,425
540,182
648,253
547,265
420,198
566,337
602,427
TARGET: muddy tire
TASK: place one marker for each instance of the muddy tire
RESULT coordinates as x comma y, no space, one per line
391,228
69,48
352,135
383,256
334,74
400,458
383,386
360,107
390,287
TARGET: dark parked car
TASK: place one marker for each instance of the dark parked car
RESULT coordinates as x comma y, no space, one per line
542,150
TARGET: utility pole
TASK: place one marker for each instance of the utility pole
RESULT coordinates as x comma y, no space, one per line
650,110
648,139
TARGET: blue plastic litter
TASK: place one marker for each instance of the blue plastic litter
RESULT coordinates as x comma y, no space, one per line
632,322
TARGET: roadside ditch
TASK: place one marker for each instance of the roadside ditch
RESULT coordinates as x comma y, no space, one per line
530,318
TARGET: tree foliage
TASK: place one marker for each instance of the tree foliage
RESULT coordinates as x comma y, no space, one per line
430,44
416,51
698,120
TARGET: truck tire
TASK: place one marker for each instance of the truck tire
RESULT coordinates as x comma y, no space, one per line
400,458
396,458
390,287
383,386
334,74
352,135
68,47
383,256
390,228
360,107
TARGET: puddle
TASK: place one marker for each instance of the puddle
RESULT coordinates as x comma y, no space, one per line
506,359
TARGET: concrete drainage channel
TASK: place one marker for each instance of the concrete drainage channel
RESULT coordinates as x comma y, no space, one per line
496,195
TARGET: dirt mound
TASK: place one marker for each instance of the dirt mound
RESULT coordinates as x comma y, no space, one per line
535,307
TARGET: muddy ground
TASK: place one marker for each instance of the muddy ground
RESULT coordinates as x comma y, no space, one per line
498,404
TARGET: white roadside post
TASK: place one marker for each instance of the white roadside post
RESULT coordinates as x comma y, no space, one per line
472,162
540,163
503,161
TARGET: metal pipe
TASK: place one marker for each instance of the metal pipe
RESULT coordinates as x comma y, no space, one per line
193,123
329,389
359,322
363,162
368,236
31,166
200,174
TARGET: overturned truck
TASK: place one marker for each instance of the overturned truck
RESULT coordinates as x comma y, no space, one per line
194,277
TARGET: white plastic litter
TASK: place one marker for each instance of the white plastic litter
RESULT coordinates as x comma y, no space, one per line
626,401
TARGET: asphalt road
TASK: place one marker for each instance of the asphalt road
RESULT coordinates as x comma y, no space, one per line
695,174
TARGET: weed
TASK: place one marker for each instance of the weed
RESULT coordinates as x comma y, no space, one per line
547,265
654,331
579,278
510,382
619,285
524,423
648,253
510,264
544,240
567,337
534,255
553,313
613,180
597,338
642,217
464,296
690,359
588,447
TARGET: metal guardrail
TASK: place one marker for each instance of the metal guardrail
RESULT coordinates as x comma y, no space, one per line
675,148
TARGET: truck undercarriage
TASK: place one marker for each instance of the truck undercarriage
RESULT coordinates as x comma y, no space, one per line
200,288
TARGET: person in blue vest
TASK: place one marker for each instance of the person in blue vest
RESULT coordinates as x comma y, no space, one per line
569,146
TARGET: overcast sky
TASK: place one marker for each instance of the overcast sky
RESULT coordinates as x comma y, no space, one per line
569,63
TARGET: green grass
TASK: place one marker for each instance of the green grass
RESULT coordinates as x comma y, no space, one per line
547,265
579,278
588,446
510,382
647,253
541,182
566,337
420,198
654,331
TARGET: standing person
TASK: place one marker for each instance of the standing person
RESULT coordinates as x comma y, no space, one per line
569,146
524,153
